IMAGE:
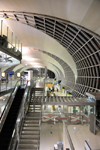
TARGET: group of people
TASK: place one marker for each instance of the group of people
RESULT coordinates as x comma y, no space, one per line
51,89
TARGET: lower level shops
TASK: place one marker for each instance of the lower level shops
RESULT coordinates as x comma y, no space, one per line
71,114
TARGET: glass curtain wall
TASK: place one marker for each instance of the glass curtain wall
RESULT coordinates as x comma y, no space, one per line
8,39
70,114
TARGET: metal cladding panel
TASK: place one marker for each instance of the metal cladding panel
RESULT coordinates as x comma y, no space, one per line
81,43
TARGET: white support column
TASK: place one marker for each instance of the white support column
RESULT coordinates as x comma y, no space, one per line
1,26
0,79
0,73
45,72
67,114
0,110
63,108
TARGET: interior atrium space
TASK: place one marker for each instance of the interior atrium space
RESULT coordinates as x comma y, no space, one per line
50,74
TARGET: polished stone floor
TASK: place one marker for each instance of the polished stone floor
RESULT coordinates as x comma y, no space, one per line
50,135
59,93
80,133
39,85
53,133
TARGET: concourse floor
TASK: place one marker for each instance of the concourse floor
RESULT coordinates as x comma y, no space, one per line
53,133
50,135
80,133
59,93
39,85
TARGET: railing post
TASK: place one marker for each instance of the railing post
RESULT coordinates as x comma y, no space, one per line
18,45
1,26
6,85
15,44
12,39
21,47
0,85
17,132
23,111
65,132
7,33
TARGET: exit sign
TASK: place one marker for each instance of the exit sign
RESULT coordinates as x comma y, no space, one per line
75,110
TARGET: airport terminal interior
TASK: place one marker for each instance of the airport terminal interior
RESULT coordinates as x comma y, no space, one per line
50,75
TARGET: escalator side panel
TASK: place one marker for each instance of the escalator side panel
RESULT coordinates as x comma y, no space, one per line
7,130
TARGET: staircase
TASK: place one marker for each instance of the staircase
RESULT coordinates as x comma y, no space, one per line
30,135
7,130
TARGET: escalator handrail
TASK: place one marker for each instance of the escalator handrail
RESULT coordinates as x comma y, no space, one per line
98,120
8,100
20,112
20,109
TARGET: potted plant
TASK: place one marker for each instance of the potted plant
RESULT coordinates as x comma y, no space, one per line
68,93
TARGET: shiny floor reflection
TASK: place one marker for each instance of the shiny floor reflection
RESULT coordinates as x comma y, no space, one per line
78,133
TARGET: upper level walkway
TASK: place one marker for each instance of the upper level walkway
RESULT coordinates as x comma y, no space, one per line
62,100
39,85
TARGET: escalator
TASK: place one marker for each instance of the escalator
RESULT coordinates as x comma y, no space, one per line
7,130
30,133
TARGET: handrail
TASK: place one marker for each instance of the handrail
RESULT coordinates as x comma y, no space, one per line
20,117
97,120
68,136
98,123
19,121
6,85
40,120
8,104
8,101
15,49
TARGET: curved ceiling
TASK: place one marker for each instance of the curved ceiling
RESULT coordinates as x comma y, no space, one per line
33,38
84,13
60,29
54,69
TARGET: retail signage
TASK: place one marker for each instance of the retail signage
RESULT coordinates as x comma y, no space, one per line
75,110
10,73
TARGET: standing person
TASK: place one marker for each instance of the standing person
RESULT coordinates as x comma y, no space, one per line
57,89
26,79
22,80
